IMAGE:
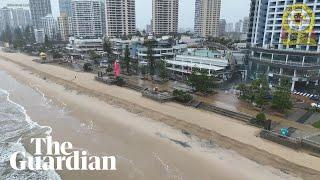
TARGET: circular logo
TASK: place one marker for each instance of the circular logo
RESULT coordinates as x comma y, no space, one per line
298,18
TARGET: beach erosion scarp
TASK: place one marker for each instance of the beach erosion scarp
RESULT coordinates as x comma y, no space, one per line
224,131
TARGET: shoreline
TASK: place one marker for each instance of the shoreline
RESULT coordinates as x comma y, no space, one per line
198,129
198,152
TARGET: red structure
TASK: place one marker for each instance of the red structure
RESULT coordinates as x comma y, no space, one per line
117,69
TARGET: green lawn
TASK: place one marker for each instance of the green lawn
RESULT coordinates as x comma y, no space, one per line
317,124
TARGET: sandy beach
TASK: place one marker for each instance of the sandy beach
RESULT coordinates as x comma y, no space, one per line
119,121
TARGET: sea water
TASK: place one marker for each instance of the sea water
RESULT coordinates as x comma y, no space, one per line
16,127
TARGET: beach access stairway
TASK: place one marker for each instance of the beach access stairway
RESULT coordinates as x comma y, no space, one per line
235,115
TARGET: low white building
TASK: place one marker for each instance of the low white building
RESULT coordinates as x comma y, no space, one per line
119,46
159,53
190,41
84,45
201,59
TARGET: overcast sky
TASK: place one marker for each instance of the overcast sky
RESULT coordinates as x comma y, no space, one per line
231,10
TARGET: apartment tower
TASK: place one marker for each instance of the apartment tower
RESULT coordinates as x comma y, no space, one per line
86,18
39,9
207,17
278,53
165,16
120,17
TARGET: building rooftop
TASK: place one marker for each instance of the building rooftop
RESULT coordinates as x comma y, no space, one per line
203,53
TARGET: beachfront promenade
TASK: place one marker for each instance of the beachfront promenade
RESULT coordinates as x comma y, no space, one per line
238,136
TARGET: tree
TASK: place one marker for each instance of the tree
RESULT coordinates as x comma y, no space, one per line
150,56
18,39
262,92
243,90
200,80
107,46
127,58
257,92
47,42
29,34
94,56
6,35
143,70
261,117
87,67
282,96
162,69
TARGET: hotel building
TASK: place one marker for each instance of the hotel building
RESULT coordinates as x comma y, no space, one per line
120,17
39,9
271,55
65,7
165,16
87,18
50,26
207,18
14,17
65,26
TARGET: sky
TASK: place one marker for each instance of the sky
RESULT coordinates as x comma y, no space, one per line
231,10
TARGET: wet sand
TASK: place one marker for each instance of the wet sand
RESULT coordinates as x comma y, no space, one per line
153,140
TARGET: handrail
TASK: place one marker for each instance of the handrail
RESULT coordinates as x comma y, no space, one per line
288,63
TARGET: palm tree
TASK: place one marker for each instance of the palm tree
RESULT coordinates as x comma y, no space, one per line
127,58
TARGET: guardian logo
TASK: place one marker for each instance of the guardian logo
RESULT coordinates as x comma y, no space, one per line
59,157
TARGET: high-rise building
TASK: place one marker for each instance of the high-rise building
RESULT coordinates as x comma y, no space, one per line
50,26
120,17
64,26
165,16
238,26
148,28
87,18
222,27
282,53
21,17
245,25
229,27
14,18
5,18
39,9
65,7
258,11
207,17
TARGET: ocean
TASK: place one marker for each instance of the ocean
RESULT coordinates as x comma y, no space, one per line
16,127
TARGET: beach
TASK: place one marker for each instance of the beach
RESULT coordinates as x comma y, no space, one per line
144,135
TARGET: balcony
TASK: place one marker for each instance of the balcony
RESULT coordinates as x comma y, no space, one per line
287,51
289,64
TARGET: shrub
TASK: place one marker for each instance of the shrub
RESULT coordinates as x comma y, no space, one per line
260,120
317,125
87,67
261,117
182,96
120,81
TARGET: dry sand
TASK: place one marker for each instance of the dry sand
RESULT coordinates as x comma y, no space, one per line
226,132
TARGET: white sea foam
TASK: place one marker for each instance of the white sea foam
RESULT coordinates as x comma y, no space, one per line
17,125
